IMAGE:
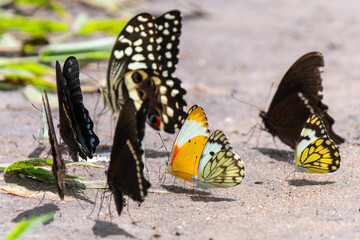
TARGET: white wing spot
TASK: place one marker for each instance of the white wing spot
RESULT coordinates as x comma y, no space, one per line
143,34
170,83
173,38
169,64
169,16
138,57
174,29
176,22
130,29
169,111
137,65
166,32
159,40
166,25
168,55
142,19
151,40
151,56
165,118
151,32
141,27
157,80
165,74
128,51
154,66
138,42
160,27
138,49
174,92
163,99
118,54
168,46
149,48
162,90
150,24
137,29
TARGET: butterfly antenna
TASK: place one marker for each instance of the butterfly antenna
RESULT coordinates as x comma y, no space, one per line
244,102
163,143
268,95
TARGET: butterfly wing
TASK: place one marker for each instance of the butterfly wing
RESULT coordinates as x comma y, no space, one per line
76,126
216,142
189,144
58,167
125,174
224,169
315,151
297,97
135,71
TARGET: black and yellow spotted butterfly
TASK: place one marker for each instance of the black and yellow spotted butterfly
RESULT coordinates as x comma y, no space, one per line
142,65
315,151
297,97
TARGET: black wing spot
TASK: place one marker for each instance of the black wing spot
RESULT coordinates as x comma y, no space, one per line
137,78
212,153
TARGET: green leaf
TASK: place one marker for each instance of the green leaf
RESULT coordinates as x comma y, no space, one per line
101,45
33,26
110,26
27,224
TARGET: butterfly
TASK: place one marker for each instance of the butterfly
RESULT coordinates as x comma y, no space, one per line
76,126
125,174
142,65
206,160
297,97
58,167
315,151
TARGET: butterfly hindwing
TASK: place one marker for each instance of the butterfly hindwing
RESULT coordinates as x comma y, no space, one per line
58,167
136,70
76,126
125,174
297,97
315,151
224,169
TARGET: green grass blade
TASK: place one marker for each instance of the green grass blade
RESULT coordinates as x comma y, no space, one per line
110,26
27,224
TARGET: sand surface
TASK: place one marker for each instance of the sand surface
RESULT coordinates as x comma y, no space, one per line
236,47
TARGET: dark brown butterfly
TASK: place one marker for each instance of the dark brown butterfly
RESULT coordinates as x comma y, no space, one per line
125,174
298,96
142,66
58,167
76,126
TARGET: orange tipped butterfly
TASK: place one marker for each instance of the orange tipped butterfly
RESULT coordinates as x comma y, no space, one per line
125,174
76,126
58,167
297,97
142,65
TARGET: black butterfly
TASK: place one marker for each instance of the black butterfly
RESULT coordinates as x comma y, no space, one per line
125,173
58,167
298,96
142,65
76,126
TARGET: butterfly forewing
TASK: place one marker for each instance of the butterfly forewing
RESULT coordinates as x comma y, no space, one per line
58,167
136,71
169,31
316,152
189,144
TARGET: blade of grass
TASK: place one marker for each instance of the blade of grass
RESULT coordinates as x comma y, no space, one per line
27,224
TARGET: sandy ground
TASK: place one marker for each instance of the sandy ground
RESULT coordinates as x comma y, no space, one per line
239,47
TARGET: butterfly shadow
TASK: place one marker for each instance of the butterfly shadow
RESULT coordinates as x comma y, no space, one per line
304,182
178,189
37,186
151,153
104,229
276,154
211,199
37,211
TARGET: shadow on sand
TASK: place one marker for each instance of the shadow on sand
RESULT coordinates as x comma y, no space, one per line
304,182
278,155
104,229
37,211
